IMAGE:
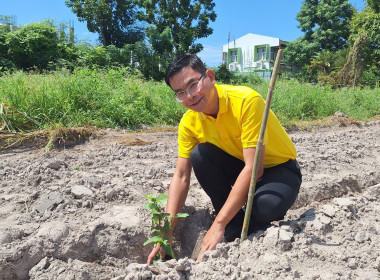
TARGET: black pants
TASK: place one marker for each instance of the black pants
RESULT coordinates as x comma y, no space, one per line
275,193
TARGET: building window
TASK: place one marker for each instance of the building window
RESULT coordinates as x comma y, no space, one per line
225,56
261,53
273,54
234,56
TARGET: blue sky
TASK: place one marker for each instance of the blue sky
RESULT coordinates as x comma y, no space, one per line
275,18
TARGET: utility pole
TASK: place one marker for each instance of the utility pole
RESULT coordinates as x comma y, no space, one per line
228,46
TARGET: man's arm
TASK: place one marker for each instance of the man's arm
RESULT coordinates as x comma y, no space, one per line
235,201
178,189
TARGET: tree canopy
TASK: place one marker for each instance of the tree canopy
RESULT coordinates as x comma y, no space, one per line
34,44
326,22
374,5
113,20
368,22
186,20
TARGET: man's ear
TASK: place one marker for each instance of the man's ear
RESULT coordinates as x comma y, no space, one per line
211,75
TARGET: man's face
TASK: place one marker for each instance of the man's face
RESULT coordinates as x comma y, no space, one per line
203,99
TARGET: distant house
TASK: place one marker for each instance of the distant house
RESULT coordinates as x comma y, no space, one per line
252,53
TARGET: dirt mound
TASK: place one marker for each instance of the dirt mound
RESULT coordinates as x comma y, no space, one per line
77,213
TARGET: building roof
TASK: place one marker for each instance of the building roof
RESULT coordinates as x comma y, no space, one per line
253,39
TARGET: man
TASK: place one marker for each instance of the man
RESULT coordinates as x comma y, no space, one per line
217,137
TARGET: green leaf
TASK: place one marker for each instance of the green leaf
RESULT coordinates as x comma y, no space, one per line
162,198
150,196
156,230
158,259
147,205
181,215
155,239
155,211
168,249
167,226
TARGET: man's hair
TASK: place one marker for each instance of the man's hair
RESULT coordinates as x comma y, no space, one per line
187,60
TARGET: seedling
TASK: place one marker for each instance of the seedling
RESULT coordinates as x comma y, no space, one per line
160,224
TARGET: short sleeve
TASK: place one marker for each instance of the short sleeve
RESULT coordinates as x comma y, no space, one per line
186,140
252,115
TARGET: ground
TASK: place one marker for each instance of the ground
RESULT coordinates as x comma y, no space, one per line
76,212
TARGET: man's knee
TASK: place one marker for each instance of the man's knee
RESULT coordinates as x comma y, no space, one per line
200,153
269,208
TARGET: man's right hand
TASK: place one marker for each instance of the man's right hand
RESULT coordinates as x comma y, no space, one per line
154,252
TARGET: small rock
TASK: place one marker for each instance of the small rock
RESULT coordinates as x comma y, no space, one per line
374,190
130,180
361,236
36,181
376,264
285,239
183,265
352,263
5,237
271,237
60,207
87,204
56,164
47,202
170,172
340,114
43,264
157,183
54,231
162,267
120,277
81,191
343,202
329,210
110,193
94,182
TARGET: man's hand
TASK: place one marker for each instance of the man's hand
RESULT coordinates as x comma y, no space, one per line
154,252
212,238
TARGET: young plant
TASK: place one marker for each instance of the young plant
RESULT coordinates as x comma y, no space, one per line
160,223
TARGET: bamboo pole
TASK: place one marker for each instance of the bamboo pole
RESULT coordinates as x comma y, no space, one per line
252,185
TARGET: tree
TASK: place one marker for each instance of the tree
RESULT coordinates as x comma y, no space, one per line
5,62
299,52
187,21
35,44
374,5
368,22
113,20
326,22
353,69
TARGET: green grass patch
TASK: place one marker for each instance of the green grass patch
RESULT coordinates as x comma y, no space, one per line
117,98
293,101
102,98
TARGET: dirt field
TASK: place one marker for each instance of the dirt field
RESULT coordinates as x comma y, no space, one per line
77,213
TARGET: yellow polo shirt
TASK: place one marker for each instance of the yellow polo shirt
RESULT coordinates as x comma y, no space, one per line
236,127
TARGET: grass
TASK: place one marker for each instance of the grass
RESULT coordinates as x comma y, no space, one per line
117,98
295,102
112,98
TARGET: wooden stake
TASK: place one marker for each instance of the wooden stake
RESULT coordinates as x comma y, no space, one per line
252,185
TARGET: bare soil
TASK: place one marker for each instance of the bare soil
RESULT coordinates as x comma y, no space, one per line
76,213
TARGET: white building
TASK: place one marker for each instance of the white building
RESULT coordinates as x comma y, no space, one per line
252,53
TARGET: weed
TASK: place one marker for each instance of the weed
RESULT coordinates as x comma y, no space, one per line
160,223
77,168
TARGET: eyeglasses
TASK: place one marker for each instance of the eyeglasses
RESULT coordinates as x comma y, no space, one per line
181,95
